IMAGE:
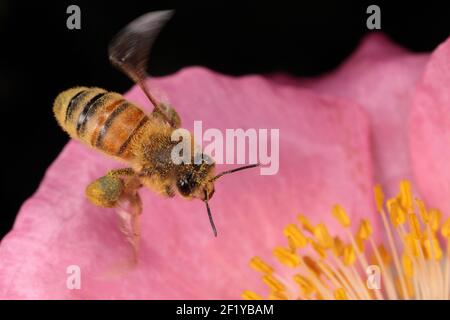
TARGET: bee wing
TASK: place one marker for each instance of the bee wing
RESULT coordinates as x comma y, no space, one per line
160,94
129,50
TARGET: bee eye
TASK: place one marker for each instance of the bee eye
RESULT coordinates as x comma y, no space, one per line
186,184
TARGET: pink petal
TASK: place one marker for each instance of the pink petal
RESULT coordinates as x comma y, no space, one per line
430,130
324,159
381,77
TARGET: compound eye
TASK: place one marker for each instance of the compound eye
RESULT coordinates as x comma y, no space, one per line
185,184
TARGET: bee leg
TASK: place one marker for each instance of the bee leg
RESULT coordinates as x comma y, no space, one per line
106,190
121,172
169,190
169,114
119,189
128,210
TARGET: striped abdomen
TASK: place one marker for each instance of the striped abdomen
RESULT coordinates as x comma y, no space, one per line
101,119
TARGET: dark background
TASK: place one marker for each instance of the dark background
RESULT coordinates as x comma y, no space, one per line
39,57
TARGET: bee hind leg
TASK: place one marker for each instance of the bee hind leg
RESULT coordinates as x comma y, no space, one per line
106,191
128,210
168,114
119,189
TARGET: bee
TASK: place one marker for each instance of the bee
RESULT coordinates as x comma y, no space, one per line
109,123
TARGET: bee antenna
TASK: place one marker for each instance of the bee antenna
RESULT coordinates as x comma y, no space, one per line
234,170
211,221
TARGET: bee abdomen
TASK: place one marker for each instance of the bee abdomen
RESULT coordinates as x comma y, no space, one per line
101,119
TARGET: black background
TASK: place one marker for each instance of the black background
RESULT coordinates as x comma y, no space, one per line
39,57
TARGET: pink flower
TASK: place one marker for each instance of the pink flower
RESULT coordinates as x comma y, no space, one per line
381,117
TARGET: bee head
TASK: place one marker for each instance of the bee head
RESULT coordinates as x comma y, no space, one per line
196,180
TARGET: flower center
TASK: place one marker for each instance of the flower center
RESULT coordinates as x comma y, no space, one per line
411,264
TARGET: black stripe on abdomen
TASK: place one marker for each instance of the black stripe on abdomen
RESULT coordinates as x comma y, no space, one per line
73,102
109,121
127,142
88,110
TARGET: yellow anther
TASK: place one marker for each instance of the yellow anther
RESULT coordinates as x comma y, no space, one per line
312,265
435,219
273,283
340,214
359,244
286,257
397,214
423,211
406,195
385,256
432,249
408,267
259,265
295,236
379,197
365,229
319,249
349,255
412,244
390,202
445,231
338,247
414,226
291,244
319,296
305,223
323,236
304,283
339,294
250,295
276,295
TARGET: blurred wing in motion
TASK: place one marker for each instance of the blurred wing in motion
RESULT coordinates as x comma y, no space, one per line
130,49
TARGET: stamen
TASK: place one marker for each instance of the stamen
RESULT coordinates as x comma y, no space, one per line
306,225
295,235
250,295
259,265
340,294
324,266
323,237
286,257
273,283
340,214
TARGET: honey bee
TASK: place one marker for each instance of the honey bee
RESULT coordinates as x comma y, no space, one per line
107,122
